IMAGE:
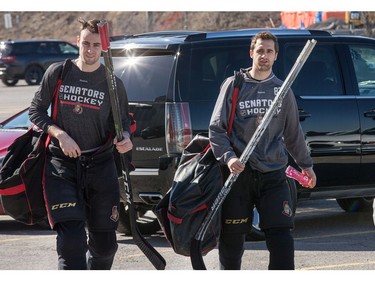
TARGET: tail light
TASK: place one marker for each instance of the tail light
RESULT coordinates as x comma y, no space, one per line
177,126
8,59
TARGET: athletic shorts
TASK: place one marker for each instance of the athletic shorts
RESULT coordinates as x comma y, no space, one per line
84,188
269,192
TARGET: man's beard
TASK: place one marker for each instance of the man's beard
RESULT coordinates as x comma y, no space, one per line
264,68
90,61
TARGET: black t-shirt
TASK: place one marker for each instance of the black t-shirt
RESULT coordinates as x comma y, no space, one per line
84,108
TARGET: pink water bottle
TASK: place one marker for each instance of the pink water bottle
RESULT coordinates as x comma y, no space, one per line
297,175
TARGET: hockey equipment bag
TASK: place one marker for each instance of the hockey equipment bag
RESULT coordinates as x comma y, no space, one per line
22,173
197,182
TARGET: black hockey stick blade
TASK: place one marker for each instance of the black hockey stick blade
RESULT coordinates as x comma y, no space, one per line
153,256
196,256
148,250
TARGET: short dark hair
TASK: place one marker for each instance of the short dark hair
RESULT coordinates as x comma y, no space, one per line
264,35
91,25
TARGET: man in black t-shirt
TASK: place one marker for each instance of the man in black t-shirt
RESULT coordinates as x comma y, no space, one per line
81,182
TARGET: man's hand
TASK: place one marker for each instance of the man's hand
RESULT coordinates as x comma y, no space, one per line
69,147
125,145
235,166
311,174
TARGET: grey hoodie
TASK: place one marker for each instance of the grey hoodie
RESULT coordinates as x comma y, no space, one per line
284,133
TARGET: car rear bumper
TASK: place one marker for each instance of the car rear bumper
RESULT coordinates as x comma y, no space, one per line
150,185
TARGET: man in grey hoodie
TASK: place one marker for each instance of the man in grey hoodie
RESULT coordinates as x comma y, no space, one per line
261,181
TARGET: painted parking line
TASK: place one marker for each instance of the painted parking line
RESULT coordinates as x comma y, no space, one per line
25,238
337,266
334,235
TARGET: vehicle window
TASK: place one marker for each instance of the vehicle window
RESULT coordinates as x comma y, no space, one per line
42,48
67,49
20,122
52,48
209,68
319,76
146,78
364,66
23,48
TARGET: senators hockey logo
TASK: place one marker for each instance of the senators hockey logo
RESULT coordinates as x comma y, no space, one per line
115,214
287,210
78,109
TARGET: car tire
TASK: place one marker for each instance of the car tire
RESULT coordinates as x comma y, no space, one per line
256,234
9,82
33,75
147,222
363,204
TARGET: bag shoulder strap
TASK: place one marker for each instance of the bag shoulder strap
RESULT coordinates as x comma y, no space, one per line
237,84
67,65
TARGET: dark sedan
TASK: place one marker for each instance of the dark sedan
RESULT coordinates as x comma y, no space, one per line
29,59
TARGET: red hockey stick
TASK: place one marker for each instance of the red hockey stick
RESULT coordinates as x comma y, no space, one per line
155,258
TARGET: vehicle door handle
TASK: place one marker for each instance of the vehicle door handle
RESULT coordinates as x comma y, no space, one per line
369,114
303,115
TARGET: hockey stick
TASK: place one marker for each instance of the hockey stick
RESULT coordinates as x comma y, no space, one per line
196,243
155,258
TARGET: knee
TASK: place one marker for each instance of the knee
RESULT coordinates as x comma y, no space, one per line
103,244
280,245
71,239
279,236
231,249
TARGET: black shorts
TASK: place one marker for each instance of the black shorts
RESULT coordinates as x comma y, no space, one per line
269,192
85,189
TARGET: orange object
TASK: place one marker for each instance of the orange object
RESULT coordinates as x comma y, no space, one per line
297,20
337,15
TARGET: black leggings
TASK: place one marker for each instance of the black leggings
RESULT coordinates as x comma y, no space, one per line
231,248
75,253
279,243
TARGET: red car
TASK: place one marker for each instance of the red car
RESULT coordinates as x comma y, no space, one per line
10,129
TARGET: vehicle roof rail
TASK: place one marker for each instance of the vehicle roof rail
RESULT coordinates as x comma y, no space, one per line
318,32
192,35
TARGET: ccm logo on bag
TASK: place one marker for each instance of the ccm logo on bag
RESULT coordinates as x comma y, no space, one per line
236,221
63,205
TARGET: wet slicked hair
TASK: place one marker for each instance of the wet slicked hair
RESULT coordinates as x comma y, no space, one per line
91,25
264,35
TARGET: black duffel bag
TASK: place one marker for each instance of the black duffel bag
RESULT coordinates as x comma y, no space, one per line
197,182
22,171
21,178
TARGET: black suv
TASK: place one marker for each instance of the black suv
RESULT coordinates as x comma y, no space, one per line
173,79
29,59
